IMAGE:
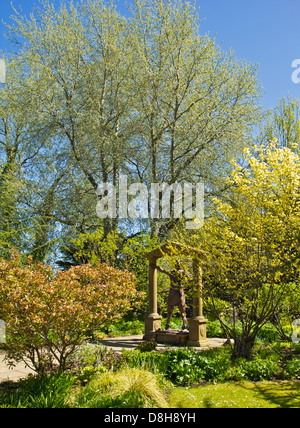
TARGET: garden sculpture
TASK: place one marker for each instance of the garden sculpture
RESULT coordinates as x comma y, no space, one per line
176,293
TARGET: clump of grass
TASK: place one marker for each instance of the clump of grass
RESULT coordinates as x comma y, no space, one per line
131,388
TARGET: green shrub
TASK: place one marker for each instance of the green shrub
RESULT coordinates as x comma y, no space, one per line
86,373
126,327
87,354
154,362
256,370
187,366
147,346
215,363
292,369
129,388
268,333
96,356
182,366
214,329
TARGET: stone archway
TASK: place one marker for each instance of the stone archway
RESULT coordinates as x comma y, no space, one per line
197,324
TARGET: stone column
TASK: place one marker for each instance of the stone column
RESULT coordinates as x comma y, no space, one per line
153,320
197,324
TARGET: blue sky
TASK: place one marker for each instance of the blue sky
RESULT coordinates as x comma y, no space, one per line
266,32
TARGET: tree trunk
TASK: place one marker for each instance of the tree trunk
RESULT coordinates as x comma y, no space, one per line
243,346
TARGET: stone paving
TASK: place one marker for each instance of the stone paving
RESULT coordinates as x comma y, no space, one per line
20,371
115,343
131,342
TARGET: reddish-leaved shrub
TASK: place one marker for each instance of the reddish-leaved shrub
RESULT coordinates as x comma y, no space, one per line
48,314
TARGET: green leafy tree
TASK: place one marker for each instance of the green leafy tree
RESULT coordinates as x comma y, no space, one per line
146,95
196,103
118,250
21,140
283,123
78,60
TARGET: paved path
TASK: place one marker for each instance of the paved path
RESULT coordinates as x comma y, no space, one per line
131,342
18,372
114,343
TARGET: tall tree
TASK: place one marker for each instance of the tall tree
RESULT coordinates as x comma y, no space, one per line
20,143
76,59
144,95
195,103
283,123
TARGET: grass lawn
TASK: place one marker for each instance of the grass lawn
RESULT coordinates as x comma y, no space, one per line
238,394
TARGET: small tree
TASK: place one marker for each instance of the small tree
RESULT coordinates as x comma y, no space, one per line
251,244
49,314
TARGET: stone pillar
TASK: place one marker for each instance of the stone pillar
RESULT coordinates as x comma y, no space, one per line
153,320
197,324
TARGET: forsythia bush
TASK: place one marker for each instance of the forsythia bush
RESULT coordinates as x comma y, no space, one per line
48,314
249,247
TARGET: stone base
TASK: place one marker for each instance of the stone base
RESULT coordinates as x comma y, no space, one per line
197,336
152,324
172,337
198,344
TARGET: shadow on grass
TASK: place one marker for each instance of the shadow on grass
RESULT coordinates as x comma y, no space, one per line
244,394
284,394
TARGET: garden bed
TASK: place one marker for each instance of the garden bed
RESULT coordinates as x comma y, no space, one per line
176,378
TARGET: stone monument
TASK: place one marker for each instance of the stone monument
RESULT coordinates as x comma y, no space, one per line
196,336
